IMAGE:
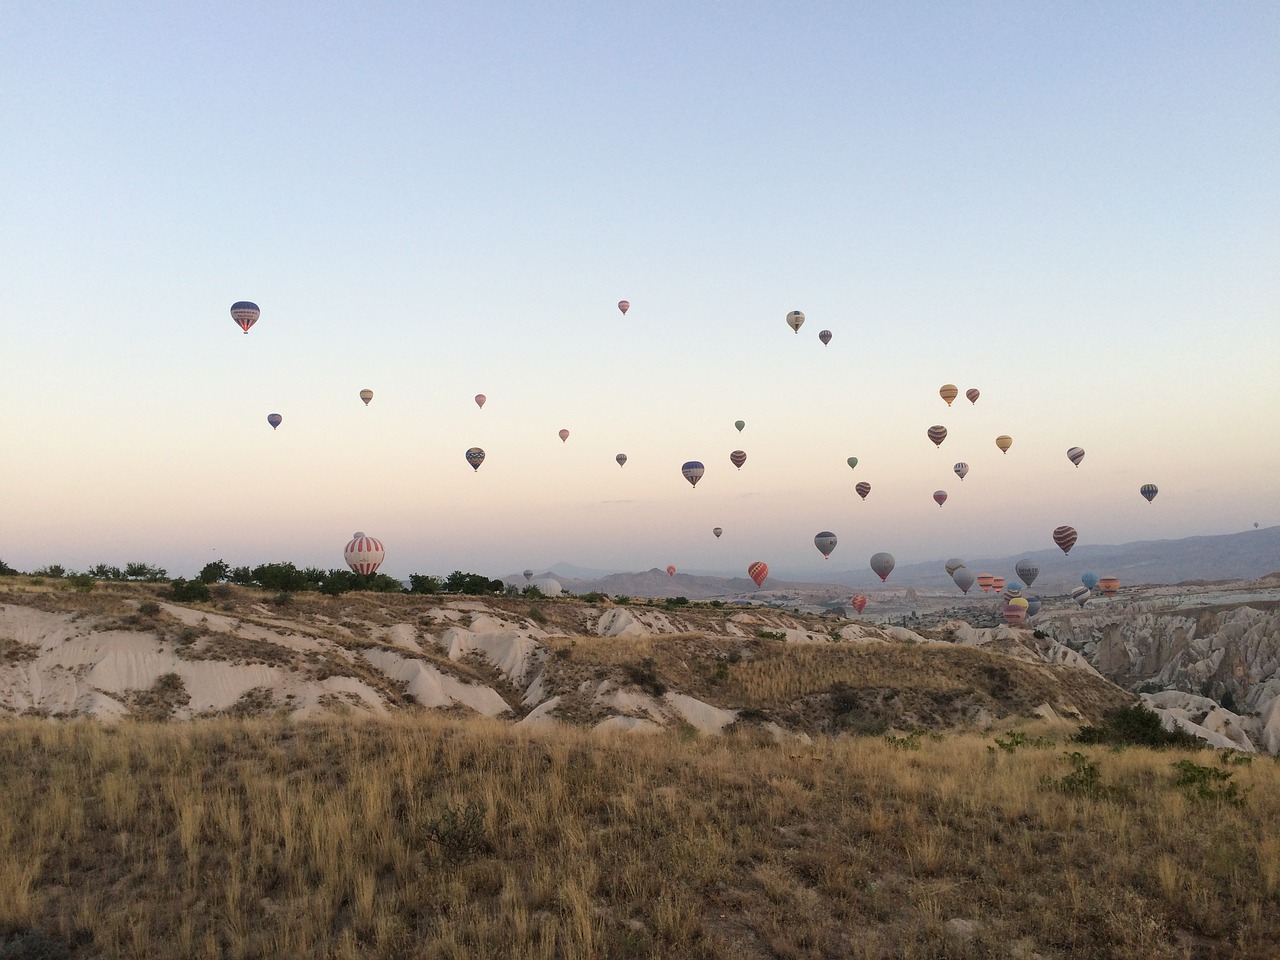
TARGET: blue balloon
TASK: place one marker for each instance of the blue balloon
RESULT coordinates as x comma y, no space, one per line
1090,580
1033,606
274,419
693,471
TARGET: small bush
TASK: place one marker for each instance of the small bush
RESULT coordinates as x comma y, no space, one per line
1138,726
81,582
644,675
672,602
771,635
189,591
536,615
459,832
1208,783
148,608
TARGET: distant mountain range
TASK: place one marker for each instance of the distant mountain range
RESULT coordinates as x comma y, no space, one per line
1230,556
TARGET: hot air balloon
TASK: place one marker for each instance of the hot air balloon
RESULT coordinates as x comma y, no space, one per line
363,554
1033,606
937,433
1149,490
882,564
985,580
693,471
671,571
952,565
1004,442
480,399
1065,537
973,394
1015,613
528,574
1080,595
475,457
366,395
1013,590
825,542
852,462
624,306
1027,570
1090,580
940,497
274,419
1109,586
564,435
862,488
739,424
963,579
738,458
948,392
245,314
794,320
824,336
859,603
1075,455
622,459
961,469
717,531
758,571
997,584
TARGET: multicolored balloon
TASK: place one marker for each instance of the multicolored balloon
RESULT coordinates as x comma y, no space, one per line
1004,442
624,306
1014,613
480,399
952,565
366,395
824,336
1064,537
1075,455
825,542
693,471
1081,595
475,457
948,392
671,571
274,419
882,564
795,319
363,554
973,394
939,497
997,584
1149,490
739,424
758,571
963,579
622,459
738,458
564,435
245,314
717,531
937,433
859,602
985,580
528,574
1109,586
961,469
862,488
852,462
1013,590
1027,570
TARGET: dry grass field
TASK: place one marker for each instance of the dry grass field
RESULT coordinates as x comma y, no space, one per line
436,836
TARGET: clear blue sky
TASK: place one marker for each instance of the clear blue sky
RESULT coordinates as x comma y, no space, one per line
1073,207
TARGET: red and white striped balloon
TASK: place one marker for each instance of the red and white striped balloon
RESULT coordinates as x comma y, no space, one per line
364,554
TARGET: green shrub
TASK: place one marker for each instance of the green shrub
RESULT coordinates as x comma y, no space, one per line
458,832
189,591
1136,725
1208,783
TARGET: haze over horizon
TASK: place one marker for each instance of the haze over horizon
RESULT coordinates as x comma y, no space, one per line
1072,209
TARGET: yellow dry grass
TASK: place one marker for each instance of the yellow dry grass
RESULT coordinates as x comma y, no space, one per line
430,837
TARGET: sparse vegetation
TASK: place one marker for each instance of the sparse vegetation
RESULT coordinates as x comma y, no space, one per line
1136,725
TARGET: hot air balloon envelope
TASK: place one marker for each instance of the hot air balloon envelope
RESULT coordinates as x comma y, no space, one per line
1075,455
948,392
1004,442
366,396
825,337
1109,586
937,433
1033,606
859,603
1149,490
693,471
274,419
852,461
985,580
794,320
717,531
1065,538
671,571
825,542
882,564
622,459
475,457
963,579
245,314
1014,614
952,565
528,574
1080,595
961,469
1027,570
363,554
1090,580
738,458
739,424
940,497
564,435
480,399
758,571
624,306
973,394
862,488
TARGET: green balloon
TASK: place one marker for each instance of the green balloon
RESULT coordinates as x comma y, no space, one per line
853,462
739,424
